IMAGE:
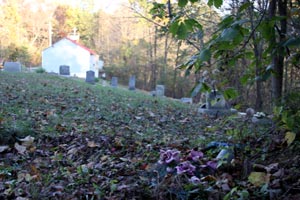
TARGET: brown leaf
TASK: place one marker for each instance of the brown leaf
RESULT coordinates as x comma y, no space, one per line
21,149
209,178
92,144
259,178
289,137
225,187
279,173
27,141
3,148
21,198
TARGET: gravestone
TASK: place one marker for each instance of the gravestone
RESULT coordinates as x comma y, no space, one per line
216,105
153,93
114,81
186,100
132,83
12,67
160,90
216,100
64,70
90,77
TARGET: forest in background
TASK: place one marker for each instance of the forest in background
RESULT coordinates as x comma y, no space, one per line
138,40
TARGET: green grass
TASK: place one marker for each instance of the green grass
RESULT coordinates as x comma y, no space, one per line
100,142
42,104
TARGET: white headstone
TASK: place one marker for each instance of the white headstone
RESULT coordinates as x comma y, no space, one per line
160,90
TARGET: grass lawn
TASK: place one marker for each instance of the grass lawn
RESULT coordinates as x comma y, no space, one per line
95,142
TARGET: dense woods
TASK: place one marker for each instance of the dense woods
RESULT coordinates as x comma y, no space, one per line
239,46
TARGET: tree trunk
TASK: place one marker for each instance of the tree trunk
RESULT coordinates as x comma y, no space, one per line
278,56
165,64
175,71
258,59
153,51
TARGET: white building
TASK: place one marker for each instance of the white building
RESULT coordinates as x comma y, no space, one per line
69,52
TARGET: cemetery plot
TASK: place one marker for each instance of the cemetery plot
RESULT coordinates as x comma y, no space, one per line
12,67
64,70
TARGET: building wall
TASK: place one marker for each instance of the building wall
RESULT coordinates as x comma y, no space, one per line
64,52
94,64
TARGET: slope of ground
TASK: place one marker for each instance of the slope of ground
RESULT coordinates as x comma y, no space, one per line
64,139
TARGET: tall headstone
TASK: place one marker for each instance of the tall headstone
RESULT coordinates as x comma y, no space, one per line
90,77
114,81
12,67
132,83
160,90
64,70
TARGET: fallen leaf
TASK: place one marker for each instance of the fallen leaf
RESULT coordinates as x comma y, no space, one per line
21,176
28,177
21,198
72,151
289,137
259,178
3,148
92,144
225,187
151,114
27,141
21,149
208,178
103,158
124,159
279,173
184,120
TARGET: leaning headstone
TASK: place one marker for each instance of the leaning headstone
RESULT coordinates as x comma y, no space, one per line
12,67
114,81
216,105
64,70
216,100
186,100
132,83
90,77
160,90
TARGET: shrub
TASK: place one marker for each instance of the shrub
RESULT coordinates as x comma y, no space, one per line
40,70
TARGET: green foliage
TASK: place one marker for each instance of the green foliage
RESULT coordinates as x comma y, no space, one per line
40,70
181,27
182,3
16,53
200,87
292,42
230,93
237,193
216,3
288,115
232,43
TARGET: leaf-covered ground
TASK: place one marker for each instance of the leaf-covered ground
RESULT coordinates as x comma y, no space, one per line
64,139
